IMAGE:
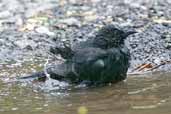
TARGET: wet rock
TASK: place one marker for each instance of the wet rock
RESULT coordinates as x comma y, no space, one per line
166,36
24,43
77,20
70,22
5,14
149,45
44,30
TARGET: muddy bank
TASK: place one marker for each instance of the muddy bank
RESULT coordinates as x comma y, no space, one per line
29,28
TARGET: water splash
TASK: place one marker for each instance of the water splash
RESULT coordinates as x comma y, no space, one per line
51,84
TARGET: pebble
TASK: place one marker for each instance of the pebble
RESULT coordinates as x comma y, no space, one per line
70,21
5,14
25,44
15,108
157,61
78,20
44,30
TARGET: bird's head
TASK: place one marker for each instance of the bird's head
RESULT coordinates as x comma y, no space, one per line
111,36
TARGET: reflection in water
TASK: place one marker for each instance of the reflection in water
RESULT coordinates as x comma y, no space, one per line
138,95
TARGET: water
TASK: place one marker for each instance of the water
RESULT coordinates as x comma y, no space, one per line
140,94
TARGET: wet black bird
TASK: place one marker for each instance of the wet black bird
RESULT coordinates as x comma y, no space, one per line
103,59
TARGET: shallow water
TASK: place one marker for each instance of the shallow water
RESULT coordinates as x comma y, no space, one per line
138,95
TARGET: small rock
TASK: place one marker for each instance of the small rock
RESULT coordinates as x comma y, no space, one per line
19,22
168,45
26,44
7,22
73,1
14,108
95,1
44,30
70,21
90,17
5,14
157,61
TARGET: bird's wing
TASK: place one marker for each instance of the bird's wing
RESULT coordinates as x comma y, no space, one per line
119,59
67,52
88,54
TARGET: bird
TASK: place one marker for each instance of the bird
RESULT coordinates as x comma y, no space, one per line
101,60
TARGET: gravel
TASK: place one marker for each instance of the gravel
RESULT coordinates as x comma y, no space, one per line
29,27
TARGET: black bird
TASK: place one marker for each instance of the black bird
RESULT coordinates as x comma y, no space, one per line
103,59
